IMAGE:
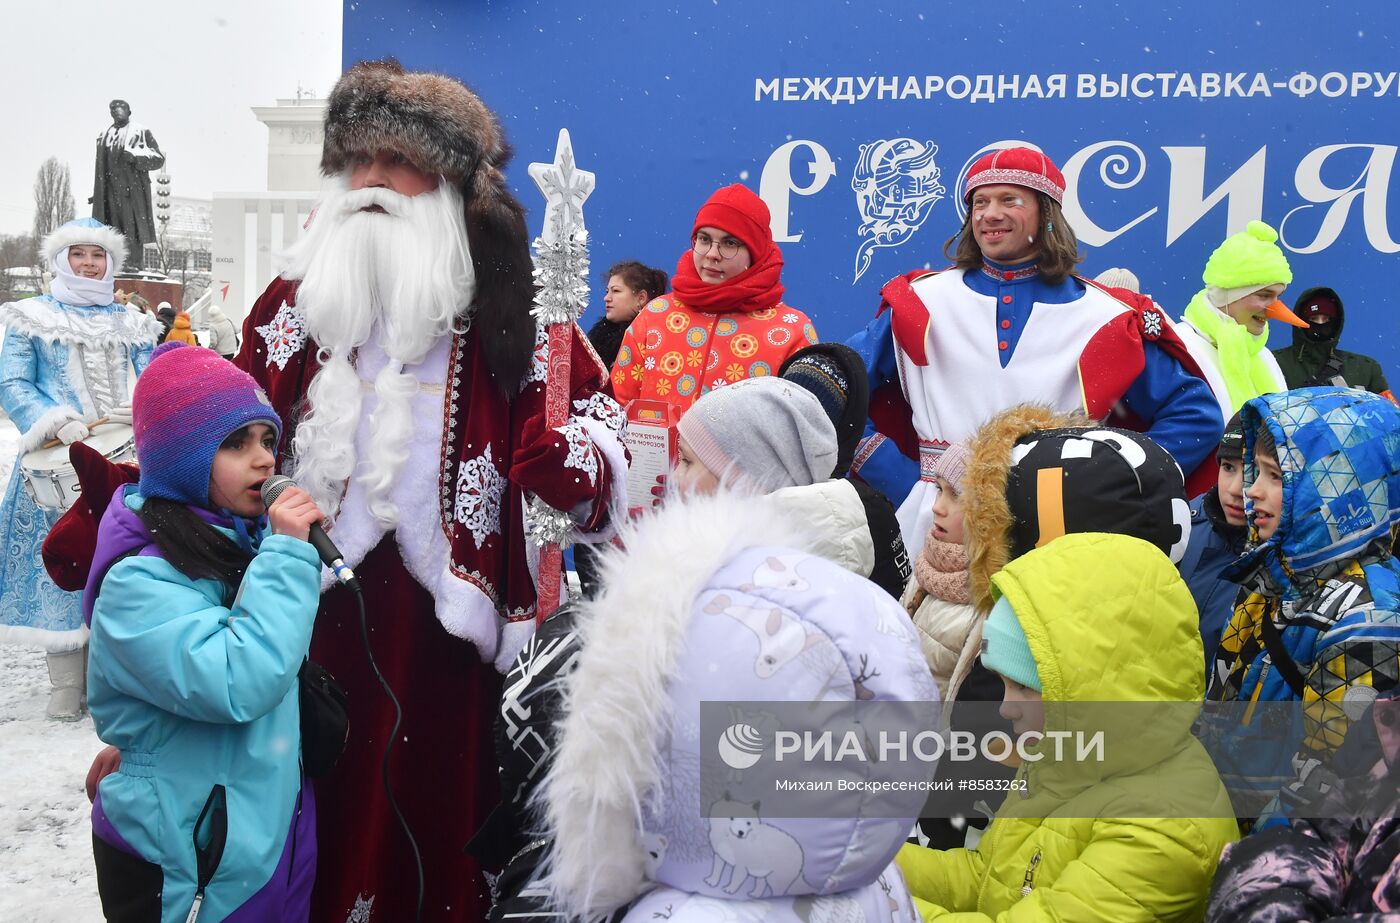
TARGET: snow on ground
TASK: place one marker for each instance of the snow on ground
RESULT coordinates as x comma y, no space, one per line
46,871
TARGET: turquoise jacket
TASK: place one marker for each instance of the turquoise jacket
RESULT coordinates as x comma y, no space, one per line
199,694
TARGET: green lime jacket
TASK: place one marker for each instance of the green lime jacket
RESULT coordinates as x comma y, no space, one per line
1108,619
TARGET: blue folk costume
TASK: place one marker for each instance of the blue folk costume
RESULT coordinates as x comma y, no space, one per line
70,355
950,350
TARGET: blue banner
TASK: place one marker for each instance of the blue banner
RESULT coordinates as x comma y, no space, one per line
857,122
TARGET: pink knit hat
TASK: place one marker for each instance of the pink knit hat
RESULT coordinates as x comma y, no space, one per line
185,404
952,464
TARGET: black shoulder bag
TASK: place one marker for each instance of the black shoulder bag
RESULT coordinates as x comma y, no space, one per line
325,719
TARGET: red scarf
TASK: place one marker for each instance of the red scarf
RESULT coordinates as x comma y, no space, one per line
752,290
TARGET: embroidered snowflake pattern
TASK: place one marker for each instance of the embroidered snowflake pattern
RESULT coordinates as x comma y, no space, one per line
539,363
650,363
581,456
479,489
362,909
604,409
790,318
1151,324
285,335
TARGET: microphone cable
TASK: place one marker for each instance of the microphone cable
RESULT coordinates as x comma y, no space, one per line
389,750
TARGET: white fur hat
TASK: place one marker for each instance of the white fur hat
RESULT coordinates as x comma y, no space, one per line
85,231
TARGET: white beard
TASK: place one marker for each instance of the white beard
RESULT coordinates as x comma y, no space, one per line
405,278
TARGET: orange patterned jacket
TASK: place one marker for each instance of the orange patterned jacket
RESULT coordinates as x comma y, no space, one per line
675,353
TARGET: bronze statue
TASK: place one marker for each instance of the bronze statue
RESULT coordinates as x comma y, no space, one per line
121,191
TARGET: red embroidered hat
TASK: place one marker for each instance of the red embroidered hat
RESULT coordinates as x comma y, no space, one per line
1019,166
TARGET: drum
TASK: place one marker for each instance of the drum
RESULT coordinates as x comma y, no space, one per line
49,476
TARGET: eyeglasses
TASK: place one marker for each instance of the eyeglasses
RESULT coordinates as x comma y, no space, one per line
728,247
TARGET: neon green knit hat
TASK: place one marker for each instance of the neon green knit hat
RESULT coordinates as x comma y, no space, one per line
1249,258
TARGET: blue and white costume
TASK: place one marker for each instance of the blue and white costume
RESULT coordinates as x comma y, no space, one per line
70,355
959,347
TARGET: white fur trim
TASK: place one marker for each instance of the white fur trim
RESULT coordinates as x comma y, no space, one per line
610,447
46,640
48,424
45,319
514,636
460,606
108,238
615,703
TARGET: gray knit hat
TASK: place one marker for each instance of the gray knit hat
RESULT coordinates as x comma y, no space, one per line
761,434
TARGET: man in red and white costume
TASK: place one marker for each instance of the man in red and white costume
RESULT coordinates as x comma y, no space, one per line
1011,323
399,348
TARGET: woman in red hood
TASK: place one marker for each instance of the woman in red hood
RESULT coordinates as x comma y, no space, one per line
724,319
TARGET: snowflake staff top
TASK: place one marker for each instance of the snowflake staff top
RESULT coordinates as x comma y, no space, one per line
561,250
565,189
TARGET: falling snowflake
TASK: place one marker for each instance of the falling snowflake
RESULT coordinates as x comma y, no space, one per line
604,409
285,335
362,909
581,455
479,489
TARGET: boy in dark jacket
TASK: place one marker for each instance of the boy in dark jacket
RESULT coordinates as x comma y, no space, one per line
1218,534
1314,358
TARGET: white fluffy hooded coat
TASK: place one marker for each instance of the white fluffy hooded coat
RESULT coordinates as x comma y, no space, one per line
627,700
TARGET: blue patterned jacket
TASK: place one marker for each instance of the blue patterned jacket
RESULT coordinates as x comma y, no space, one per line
1325,577
62,363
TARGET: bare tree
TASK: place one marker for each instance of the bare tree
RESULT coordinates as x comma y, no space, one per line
53,198
17,257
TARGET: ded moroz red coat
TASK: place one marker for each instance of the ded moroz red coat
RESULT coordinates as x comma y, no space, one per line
480,509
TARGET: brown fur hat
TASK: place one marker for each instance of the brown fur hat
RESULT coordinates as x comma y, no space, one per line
986,514
440,126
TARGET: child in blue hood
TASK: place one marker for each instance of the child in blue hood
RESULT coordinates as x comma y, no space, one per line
201,610
1317,619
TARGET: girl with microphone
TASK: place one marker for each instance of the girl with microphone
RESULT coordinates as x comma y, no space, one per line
201,603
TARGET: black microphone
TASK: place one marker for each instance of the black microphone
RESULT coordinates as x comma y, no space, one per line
273,488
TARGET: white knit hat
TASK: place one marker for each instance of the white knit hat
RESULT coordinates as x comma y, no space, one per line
1118,277
761,434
